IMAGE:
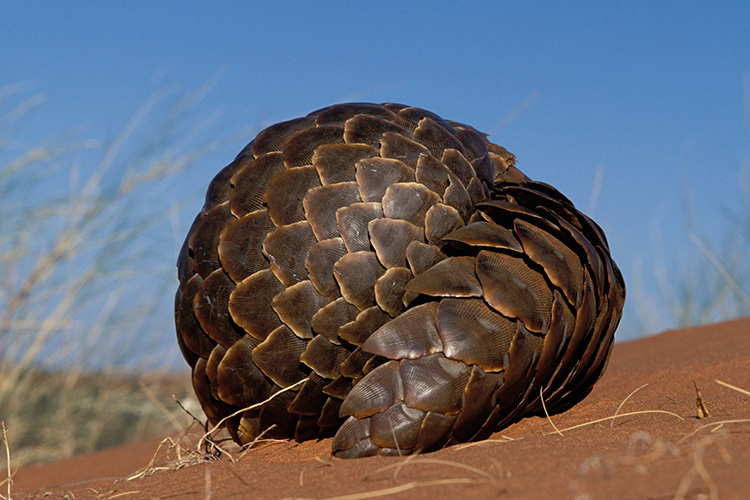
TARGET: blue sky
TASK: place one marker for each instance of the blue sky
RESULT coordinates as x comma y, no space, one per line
653,96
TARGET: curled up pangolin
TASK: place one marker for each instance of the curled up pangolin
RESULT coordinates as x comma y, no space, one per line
423,288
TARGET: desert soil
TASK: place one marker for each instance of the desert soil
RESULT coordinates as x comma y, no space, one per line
637,436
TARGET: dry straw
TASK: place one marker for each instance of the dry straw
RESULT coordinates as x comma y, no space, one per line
80,277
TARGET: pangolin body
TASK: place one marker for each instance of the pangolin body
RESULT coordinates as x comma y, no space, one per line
399,276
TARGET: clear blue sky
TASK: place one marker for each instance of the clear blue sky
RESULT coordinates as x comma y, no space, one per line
655,94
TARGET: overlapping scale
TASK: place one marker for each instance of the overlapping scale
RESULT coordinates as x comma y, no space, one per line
335,162
241,245
353,222
440,221
473,142
422,257
459,165
409,117
521,363
288,266
409,201
479,400
411,335
382,388
278,356
341,114
328,319
485,234
189,330
357,274
274,137
353,439
435,431
322,203
357,331
299,147
562,265
375,175
436,137
457,197
319,264
284,194
473,333
433,174
434,383
514,289
390,289
210,308
250,304
310,398
324,357
368,129
329,415
391,237
204,241
297,305
212,407
275,419
354,366
393,145
239,381
452,277
250,183
398,427
405,271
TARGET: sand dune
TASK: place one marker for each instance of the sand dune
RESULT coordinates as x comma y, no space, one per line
656,447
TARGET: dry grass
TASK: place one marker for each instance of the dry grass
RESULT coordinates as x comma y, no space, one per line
87,245
8,480
393,490
185,451
733,387
710,284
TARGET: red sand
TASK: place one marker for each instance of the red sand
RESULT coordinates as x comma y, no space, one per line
654,455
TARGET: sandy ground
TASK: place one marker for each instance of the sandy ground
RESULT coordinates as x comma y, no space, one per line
663,452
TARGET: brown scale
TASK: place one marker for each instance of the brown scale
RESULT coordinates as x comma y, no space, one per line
410,285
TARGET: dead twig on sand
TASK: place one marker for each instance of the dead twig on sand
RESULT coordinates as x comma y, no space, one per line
733,387
699,470
612,424
208,434
397,489
9,478
700,403
413,460
541,398
617,416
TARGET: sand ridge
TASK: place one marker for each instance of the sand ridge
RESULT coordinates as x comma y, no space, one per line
656,447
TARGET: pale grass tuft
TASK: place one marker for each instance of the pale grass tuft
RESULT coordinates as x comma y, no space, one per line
712,284
544,406
122,494
725,274
8,481
716,426
82,277
505,439
735,388
418,460
612,424
592,422
698,469
386,492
